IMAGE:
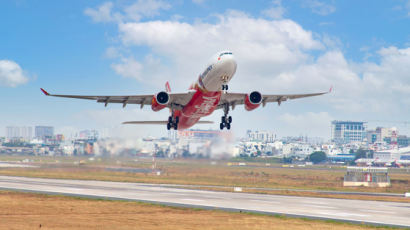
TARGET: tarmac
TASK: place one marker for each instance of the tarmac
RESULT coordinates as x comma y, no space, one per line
354,211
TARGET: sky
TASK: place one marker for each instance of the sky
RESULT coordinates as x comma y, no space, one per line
123,47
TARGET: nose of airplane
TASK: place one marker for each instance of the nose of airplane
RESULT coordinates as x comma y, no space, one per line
228,63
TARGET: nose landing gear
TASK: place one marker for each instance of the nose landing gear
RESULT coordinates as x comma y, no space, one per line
224,87
226,120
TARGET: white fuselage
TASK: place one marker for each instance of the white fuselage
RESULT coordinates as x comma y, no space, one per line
219,72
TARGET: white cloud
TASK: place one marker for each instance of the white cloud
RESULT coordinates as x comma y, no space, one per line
149,70
145,8
275,12
11,74
269,46
103,13
128,67
320,7
112,52
133,12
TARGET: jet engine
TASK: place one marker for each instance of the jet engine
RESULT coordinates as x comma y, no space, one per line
159,101
253,100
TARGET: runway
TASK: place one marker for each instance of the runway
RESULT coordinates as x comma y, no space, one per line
357,211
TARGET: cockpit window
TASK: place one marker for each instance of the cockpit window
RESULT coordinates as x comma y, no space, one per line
226,53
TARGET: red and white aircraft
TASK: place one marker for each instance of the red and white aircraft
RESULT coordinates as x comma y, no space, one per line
207,94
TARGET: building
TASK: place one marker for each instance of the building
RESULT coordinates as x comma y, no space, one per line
403,141
342,157
43,132
348,131
366,176
302,150
88,135
17,133
384,133
390,155
199,134
263,136
373,136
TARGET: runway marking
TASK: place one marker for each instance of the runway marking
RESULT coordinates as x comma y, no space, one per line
395,214
319,206
379,211
313,202
343,214
186,199
266,201
173,194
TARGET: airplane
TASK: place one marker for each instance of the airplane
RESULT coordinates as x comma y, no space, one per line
207,94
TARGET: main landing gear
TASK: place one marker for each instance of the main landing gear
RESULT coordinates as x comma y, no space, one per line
172,123
226,120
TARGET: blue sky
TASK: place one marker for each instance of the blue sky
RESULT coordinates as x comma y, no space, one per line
133,47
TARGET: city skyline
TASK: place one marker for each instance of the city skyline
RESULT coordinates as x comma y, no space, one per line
126,47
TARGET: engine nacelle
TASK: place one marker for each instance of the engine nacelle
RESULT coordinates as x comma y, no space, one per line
160,101
253,100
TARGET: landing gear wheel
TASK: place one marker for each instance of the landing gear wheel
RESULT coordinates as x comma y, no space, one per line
228,126
221,126
172,122
226,87
226,120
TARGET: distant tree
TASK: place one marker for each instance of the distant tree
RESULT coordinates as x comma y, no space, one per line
186,154
287,160
160,153
317,157
360,153
370,153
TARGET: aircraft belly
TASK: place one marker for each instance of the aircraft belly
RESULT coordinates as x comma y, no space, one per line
202,104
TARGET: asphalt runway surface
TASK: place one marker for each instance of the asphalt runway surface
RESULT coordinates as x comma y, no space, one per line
355,211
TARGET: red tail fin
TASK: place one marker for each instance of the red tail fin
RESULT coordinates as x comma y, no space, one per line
167,87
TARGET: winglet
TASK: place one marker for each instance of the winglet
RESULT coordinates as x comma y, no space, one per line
167,87
45,92
331,88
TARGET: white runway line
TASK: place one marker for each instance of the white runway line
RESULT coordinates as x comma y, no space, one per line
358,211
192,200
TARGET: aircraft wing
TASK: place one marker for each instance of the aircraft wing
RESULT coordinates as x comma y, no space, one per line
233,99
176,99
158,122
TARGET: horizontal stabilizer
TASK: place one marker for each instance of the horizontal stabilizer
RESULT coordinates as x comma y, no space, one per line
159,122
